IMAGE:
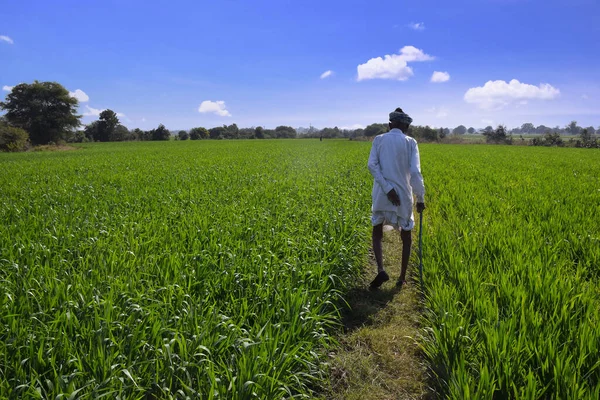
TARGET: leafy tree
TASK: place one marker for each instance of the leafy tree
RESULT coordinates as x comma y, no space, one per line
217,132
285,132
91,131
591,130
542,129
198,133
183,135
232,131
527,128
137,134
161,133
375,129
12,138
119,134
572,128
44,109
442,133
497,136
259,132
424,133
460,130
106,126
246,133
471,130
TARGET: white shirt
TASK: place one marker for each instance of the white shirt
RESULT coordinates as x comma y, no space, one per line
395,164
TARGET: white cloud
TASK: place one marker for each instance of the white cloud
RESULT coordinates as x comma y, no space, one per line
488,121
80,95
216,107
7,88
417,26
585,97
6,39
95,112
498,94
143,119
353,127
440,77
393,66
326,74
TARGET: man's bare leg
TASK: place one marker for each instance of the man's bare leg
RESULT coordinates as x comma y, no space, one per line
406,237
377,249
382,276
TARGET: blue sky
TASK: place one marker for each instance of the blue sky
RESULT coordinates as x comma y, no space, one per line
200,63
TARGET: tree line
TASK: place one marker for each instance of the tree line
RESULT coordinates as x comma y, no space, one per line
44,112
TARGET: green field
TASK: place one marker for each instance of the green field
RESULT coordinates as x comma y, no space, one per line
215,269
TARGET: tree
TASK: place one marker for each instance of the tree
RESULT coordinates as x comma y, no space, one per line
198,133
183,135
119,134
442,133
542,129
375,129
497,136
217,132
106,126
12,138
259,132
471,130
591,130
232,131
460,130
161,133
527,128
44,109
572,128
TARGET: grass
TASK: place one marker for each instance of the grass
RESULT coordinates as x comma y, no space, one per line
379,356
216,269
199,269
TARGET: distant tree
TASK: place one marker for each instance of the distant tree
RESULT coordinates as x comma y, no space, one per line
107,124
375,129
161,133
591,130
527,128
460,130
198,133
424,133
183,135
119,134
497,136
471,130
283,131
136,134
246,133
542,129
218,132
232,131
44,109
259,132
442,133
572,128
12,138
488,129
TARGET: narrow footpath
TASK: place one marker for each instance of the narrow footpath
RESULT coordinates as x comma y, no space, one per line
378,356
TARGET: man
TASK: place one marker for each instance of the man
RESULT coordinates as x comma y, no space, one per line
396,168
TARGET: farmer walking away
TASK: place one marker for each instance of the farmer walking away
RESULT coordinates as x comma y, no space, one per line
396,168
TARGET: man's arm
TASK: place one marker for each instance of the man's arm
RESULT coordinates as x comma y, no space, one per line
375,167
416,179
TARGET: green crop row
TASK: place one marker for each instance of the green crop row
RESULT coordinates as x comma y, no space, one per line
512,268
157,270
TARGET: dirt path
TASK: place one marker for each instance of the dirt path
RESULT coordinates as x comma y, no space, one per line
378,356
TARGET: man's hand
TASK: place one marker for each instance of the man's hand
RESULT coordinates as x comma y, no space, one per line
420,207
393,197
